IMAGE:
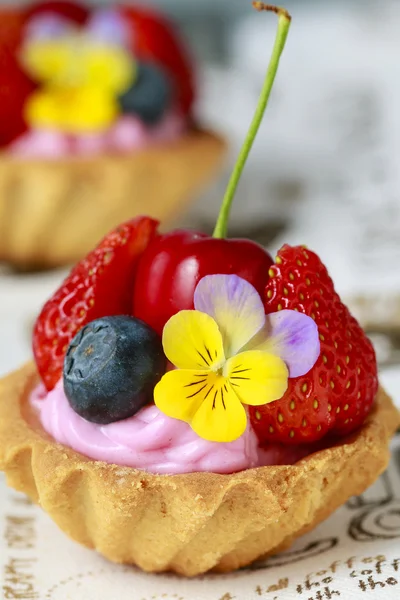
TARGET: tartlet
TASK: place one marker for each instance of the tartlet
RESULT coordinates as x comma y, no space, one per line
71,168
188,523
53,212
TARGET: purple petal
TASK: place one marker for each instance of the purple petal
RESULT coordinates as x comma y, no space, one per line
236,307
108,25
293,337
48,26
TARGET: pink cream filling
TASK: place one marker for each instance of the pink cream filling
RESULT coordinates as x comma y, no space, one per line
126,135
152,441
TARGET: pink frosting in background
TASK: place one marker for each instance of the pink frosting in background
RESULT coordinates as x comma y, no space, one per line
126,135
152,441
40,144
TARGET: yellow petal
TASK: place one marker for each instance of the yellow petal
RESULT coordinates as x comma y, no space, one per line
205,400
109,67
71,110
46,60
74,61
220,417
91,109
42,110
192,340
257,377
180,393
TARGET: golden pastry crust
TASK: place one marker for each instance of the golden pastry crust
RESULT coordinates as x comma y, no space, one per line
53,212
191,523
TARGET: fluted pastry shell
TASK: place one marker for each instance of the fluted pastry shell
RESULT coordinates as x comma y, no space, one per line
189,523
52,212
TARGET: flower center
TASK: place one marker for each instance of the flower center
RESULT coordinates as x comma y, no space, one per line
219,370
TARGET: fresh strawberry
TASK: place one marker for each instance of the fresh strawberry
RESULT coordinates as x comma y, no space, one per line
101,285
74,11
154,39
11,28
337,393
15,86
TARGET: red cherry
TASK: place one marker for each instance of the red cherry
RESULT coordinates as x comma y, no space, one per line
154,38
74,11
173,264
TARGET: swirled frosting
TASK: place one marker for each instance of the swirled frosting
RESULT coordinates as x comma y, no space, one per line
151,441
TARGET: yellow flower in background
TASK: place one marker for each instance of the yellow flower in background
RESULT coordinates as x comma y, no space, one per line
229,354
81,77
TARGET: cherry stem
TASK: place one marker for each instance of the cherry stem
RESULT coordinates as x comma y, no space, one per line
284,18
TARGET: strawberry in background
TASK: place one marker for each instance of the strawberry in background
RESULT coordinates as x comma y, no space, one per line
15,85
11,29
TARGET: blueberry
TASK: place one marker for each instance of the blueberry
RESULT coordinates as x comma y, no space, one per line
111,368
149,96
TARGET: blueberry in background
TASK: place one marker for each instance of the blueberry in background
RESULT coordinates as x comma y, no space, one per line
111,368
150,95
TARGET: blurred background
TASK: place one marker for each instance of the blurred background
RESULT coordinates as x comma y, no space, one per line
324,170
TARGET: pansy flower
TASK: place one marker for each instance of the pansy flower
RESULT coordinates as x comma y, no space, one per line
82,71
228,354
